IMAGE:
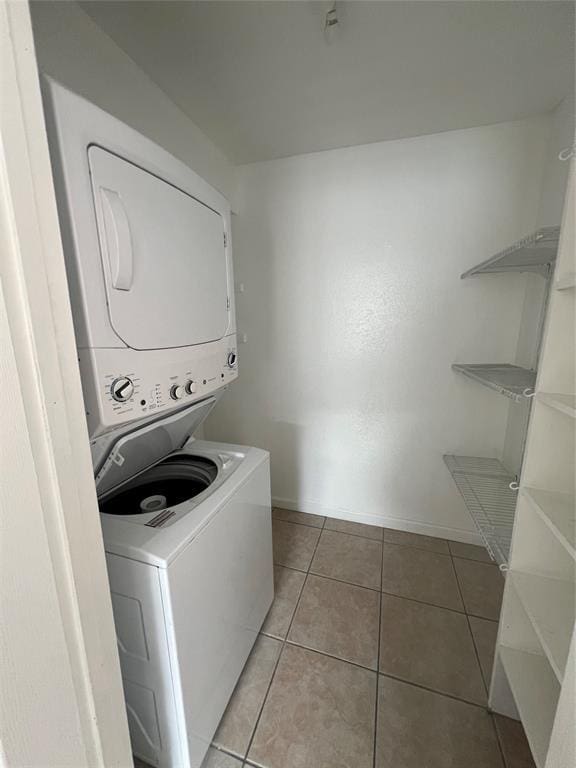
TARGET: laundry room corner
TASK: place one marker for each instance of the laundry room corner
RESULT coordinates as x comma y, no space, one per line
77,52
349,262
288,331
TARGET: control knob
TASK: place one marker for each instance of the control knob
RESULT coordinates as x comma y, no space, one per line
176,391
190,387
231,361
122,389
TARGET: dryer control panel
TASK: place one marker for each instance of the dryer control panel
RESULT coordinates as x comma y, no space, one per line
133,384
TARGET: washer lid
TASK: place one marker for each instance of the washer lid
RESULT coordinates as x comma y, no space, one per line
127,453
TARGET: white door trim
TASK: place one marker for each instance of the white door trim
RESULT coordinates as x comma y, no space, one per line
33,281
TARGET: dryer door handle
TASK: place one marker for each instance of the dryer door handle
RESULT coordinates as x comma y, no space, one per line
119,240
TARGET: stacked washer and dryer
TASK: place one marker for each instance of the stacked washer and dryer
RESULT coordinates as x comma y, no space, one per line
186,523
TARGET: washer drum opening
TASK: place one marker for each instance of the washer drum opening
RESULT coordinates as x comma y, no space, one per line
172,481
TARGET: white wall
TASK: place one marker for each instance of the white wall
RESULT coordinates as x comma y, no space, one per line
61,700
556,171
354,312
31,687
552,190
74,50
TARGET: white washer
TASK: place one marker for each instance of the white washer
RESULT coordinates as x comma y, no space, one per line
186,524
191,582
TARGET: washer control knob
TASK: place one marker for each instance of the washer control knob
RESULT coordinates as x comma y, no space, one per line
122,389
231,361
176,391
190,387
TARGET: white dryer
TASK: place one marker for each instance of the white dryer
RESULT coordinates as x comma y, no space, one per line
186,524
149,262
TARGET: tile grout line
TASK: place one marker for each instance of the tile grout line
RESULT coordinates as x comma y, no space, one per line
278,519
367,669
225,752
472,559
331,578
375,740
500,744
284,642
389,675
349,533
478,562
477,657
495,730
423,602
466,611
331,656
476,654
385,592
433,690
415,546
243,760
383,540
332,530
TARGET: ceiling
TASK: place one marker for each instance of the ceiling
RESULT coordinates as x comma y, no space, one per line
263,80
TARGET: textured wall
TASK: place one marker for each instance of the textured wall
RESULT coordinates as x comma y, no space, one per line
74,50
354,311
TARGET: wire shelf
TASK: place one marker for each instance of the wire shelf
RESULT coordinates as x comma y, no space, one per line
509,380
534,253
485,487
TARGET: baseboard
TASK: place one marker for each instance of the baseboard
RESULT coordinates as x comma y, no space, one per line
397,523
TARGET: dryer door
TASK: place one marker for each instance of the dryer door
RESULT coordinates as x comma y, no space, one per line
163,257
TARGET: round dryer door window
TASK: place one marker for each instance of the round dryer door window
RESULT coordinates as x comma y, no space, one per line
173,481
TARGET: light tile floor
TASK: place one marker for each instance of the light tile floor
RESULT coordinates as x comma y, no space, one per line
376,653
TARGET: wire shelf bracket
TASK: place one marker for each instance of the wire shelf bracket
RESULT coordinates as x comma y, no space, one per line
535,253
509,380
484,484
